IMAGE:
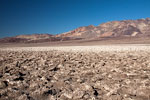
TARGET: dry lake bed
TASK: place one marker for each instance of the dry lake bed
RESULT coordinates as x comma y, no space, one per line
106,72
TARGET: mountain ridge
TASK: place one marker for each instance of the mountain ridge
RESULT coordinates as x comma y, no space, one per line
123,28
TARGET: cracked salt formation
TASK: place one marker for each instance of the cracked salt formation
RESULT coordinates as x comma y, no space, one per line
60,75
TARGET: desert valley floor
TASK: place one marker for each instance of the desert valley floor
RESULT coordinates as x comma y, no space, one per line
102,72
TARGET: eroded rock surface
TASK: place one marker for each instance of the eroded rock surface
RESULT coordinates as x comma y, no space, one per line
58,75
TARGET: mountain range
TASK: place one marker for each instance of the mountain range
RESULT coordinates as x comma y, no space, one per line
113,29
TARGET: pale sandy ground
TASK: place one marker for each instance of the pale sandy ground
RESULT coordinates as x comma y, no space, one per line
98,48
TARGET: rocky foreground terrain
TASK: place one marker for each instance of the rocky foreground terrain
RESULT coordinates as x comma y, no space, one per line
63,74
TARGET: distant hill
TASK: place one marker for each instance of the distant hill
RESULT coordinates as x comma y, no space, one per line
124,28
112,29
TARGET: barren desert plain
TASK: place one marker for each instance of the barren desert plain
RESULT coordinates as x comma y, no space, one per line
74,49
85,72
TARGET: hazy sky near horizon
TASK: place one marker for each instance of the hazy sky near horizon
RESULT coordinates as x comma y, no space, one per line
58,16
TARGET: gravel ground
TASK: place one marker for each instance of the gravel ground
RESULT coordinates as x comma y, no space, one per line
75,73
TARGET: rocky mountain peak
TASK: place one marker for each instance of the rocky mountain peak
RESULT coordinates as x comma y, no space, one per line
113,29
123,28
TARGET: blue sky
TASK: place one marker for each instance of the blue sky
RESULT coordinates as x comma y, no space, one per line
58,16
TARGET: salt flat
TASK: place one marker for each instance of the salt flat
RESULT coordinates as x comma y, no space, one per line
98,48
106,72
